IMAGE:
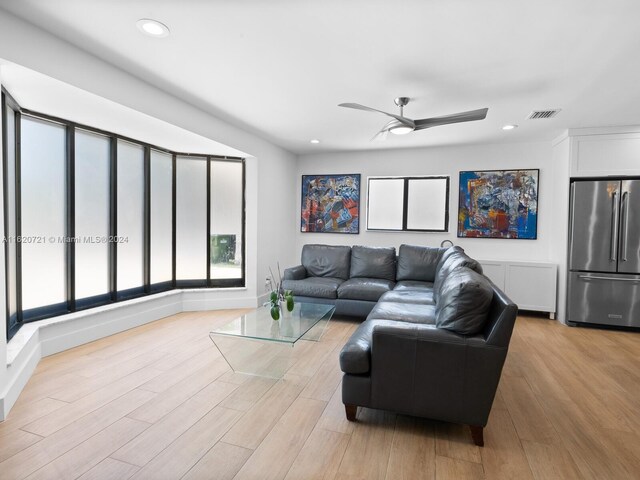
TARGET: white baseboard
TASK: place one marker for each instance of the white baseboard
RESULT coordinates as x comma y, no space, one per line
81,331
19,373
62,333
195,300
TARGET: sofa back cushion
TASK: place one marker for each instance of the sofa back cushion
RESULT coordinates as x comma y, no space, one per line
452,250
464,302
327,261
418,263
452,258
373,262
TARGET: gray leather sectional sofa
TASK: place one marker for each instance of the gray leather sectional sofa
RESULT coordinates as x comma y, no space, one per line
436,331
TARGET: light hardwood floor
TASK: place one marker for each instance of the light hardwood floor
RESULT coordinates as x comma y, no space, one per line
159,402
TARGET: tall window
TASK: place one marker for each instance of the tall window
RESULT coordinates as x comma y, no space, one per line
130,231
191,220
161,218
43,216
226,220
93,218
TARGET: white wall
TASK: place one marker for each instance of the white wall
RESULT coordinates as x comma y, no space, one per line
278,219
560,227
441,161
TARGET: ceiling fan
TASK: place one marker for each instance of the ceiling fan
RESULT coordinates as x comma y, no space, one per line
401,125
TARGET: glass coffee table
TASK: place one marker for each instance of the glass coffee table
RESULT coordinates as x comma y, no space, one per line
256,344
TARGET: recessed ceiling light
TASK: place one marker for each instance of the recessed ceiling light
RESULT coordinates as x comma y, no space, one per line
509,127
314,141
153,28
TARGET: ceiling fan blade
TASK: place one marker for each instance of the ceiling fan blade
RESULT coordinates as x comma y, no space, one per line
381,136
357,106
384,131
469,116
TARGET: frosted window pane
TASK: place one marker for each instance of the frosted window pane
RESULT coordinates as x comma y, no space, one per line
130,215
11,212
226,220
92,214
43,213
161,217
426,208
191,218
385,204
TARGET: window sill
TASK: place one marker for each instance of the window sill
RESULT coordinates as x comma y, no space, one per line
20,340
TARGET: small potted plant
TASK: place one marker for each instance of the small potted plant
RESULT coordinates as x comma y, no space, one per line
288,298
275,306
279,297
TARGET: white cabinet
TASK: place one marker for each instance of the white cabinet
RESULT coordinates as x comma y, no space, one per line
531,285
602,152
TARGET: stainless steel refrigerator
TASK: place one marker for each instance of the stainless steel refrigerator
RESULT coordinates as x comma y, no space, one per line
604,253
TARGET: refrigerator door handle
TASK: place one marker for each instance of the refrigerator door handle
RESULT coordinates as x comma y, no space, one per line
625,228
617,279
613,249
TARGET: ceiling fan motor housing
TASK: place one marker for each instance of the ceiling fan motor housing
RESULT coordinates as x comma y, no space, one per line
401,101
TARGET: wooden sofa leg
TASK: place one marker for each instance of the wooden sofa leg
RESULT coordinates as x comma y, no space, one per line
478,435
351,411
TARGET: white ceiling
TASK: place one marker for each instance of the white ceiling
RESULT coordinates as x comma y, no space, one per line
280,67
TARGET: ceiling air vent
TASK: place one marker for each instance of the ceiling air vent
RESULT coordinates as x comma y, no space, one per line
539,114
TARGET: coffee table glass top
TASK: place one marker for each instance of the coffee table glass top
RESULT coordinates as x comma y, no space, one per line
307,321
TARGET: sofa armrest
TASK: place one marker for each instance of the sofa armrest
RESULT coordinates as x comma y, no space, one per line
432,338
428,333
355,356
295,273
409,345
411,362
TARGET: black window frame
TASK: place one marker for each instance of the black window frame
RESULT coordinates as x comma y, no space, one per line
114,295
405,203
7,100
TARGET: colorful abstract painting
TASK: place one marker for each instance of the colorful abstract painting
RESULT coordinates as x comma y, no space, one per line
330,203
498,204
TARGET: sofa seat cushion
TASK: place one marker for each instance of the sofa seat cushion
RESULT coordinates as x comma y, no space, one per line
418,263
369,289
319,287
404,312
333,261
463,305
355,356
373,262
416,297
414,285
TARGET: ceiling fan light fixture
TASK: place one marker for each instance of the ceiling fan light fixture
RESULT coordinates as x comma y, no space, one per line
152,28
401,129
